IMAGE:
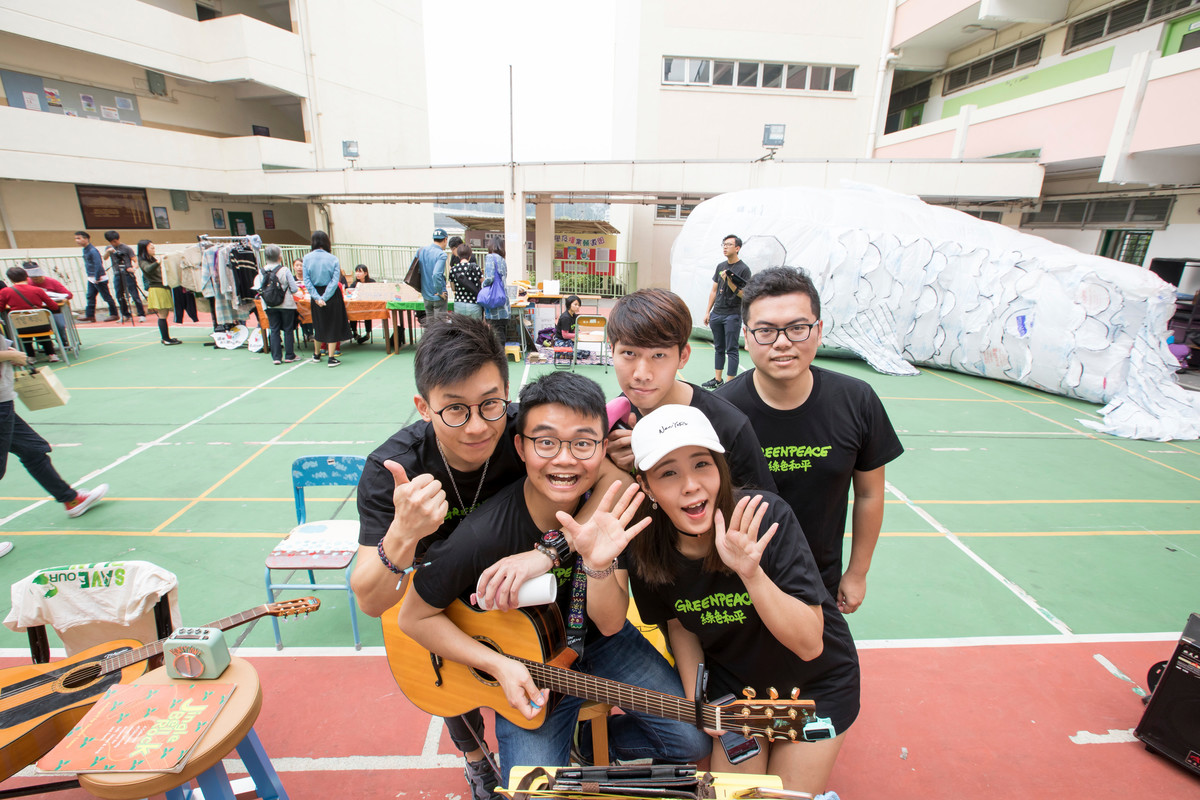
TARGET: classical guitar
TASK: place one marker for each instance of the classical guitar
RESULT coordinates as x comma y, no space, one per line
536,637
40,703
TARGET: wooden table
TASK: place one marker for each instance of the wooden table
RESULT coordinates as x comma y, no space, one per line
233,728
402,314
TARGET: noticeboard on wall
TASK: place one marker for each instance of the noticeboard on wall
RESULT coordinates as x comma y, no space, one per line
70,99
107,207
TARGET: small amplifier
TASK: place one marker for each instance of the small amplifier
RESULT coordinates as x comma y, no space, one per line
1170,725
196,653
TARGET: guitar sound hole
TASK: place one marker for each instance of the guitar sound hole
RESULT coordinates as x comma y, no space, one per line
81,677
480,674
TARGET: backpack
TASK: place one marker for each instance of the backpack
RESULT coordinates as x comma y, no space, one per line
271,291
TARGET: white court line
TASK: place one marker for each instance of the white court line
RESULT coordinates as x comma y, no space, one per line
432,737
144,447
1021,594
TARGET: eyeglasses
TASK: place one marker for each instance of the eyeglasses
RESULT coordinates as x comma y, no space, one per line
550,446
456,415
795,333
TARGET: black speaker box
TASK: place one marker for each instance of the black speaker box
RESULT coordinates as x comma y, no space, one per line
1171,724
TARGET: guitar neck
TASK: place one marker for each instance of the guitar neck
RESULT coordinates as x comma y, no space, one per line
622,695
130,657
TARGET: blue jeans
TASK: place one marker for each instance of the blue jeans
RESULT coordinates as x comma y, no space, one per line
725,331
629,658
101,289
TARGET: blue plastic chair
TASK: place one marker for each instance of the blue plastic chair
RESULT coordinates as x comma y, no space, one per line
325,544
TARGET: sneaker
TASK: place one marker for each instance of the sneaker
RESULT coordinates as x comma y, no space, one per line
482,779
85,500
277,362
111,318
714,383
53,358
316,358
141,319
171,341
85,319
5,548
289,360
334,361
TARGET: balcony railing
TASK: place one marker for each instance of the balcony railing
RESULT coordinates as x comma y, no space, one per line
605,278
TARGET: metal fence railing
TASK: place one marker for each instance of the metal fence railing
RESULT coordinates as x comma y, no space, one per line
605,278
68,270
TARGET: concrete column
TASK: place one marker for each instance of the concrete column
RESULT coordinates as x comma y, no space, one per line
1114,166
960,133
514,225
543,244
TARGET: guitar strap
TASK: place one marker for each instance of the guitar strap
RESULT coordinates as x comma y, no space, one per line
575,617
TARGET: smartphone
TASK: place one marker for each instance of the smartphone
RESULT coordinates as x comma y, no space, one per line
738,748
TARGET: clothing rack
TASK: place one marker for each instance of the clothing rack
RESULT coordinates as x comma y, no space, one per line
205,241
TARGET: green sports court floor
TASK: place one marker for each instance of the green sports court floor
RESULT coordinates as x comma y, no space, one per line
1007,521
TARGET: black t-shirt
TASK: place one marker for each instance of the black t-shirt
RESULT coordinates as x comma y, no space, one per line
499,528
739,649
728,301
747,466
814,449
121,258
415,449
566,324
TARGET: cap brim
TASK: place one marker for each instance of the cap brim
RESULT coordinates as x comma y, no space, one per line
659,453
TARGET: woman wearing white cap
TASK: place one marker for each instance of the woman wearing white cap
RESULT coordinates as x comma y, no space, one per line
730,576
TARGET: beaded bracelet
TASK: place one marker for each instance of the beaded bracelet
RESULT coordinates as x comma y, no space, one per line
387,562
548,552
600,573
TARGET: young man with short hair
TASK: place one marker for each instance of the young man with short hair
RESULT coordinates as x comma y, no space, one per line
821,431
560,438
124,265
422,482
97,279
432,258
649,332
723,313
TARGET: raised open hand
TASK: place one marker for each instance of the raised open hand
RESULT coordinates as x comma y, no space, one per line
603,537
740,546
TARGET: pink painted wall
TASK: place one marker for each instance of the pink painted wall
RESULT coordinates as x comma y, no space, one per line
939,145
1076,129
916,16
1168,117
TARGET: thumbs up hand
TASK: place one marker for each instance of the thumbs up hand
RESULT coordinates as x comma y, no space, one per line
420,503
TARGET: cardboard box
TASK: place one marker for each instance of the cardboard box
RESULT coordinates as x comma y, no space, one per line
40,388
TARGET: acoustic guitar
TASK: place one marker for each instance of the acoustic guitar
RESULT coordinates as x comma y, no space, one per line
40,703
536,637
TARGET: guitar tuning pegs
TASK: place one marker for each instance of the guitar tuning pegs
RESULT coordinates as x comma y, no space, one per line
795,695
746,731
749,693
792,735
770,735
791,713
769,712
745,712
774,694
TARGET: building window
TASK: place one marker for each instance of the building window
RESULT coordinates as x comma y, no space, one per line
1121,19
1101,214
673,211
679,71
1127,246
986,216
906,107
987,68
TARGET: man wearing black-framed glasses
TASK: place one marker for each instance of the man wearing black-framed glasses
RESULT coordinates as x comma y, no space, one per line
822,432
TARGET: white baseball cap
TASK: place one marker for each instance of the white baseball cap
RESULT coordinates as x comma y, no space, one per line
669,428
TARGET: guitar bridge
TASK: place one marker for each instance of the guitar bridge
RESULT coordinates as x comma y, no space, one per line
436,661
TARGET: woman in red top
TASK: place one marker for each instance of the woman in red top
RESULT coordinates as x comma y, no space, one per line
22,295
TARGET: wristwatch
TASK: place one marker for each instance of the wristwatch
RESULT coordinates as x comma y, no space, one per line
555,541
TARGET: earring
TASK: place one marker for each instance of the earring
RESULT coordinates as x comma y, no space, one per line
654,504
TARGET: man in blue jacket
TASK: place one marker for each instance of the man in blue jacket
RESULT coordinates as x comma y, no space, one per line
97,278
433,275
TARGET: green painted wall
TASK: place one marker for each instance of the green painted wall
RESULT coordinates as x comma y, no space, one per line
1040,80
1176,31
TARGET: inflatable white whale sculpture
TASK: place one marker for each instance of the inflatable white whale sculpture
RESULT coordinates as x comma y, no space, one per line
903,283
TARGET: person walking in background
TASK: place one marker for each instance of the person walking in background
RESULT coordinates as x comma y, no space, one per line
17,437
466,277
330,323
282,317
158,296
362,275
432,258
57,292
20,295
495,268
97,279
723,314
121,257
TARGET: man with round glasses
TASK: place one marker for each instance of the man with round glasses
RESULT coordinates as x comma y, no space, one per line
821,432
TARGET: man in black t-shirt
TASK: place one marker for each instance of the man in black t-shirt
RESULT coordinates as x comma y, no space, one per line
561,426
724,310
124,265
423,481
821,432
649,332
